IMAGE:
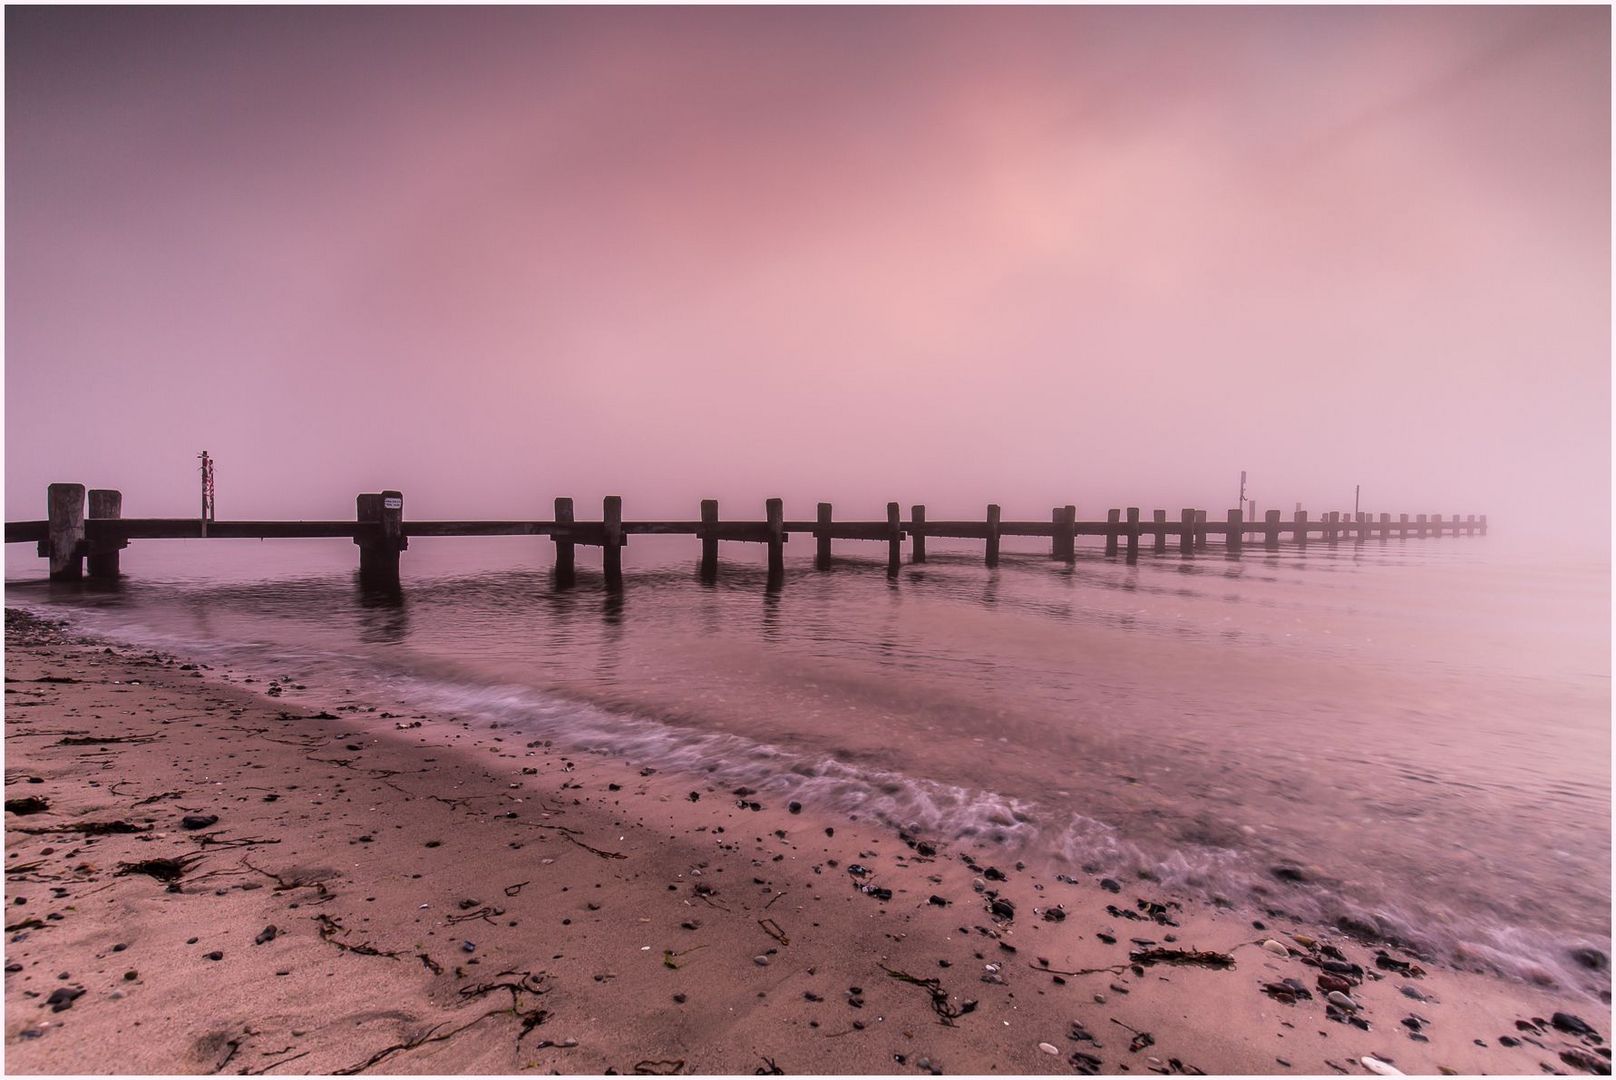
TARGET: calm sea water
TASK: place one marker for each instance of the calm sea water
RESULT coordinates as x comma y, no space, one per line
1422,729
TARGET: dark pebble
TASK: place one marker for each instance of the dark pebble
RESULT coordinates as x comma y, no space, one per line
198,821
215,955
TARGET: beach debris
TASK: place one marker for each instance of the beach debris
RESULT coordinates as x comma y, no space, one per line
1195,957
91,828
266,935
946,1012
1275,947
1379,1067
1085,1064
63,997
1578,1058
33,804
1141,1039
1386,962
774,930
768,1068
658,1068
1571,1024
1000,908
193,822
1589,957
1292,874
1287,992
97,740
330,928
1055,914
161,869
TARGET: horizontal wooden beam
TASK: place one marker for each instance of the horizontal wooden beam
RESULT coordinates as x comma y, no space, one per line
25,532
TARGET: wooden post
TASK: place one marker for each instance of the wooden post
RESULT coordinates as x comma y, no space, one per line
1133,533
1436,526
709,539
1160,519
1419,525
1271,530
64,509
1470,525
1186,532
612,548
822,559
565,568
105,505
1111,518
1063,543
1363,526
1385,527
1402,526
1482,521
993,535
894,538
1332,526
1200,530
379,546
1235,538
917,536
774,509
1299,528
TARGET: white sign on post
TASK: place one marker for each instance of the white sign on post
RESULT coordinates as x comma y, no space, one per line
393,504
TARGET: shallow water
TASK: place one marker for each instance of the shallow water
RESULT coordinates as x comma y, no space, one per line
1420,728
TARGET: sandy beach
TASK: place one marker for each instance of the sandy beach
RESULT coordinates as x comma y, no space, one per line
204,876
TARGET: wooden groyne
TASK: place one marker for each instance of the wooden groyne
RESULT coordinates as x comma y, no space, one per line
69,536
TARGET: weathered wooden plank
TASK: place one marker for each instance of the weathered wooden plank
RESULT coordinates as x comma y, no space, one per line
65,514
1234,535
774,510
709,538
993,535
917,530
27,532
105,505
566,566
1133,534
611,512
1111,530
822,537
894,538
1159,520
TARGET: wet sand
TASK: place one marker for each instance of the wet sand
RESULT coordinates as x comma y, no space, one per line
449,900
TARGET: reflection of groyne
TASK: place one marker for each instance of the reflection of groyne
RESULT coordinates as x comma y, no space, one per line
69,536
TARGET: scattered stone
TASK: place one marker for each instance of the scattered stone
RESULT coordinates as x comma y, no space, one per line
33,804
760,960
1050,1049
198,821
1379,1067
266,935
62,997
1574,1025
1276,948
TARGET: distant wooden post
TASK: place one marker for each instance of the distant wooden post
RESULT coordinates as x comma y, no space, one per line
1133,533
105,505
565,571
1063,541
894,538
1385,527
917,536
64,510
1419,525
379,545
709,539
1111,519
1299,528
993,535
1200,530
1235,538
1332,522
1159,517
1186,532
774,509
1402,526
1271,530
1482,522
822,557
1470,525
612,540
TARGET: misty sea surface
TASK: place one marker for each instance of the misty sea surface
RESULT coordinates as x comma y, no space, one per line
1419,730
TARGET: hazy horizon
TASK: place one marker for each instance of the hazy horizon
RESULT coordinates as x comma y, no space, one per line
951,256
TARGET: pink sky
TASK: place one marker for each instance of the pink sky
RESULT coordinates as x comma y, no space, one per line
952,256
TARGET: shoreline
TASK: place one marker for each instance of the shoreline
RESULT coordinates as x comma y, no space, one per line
647,930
